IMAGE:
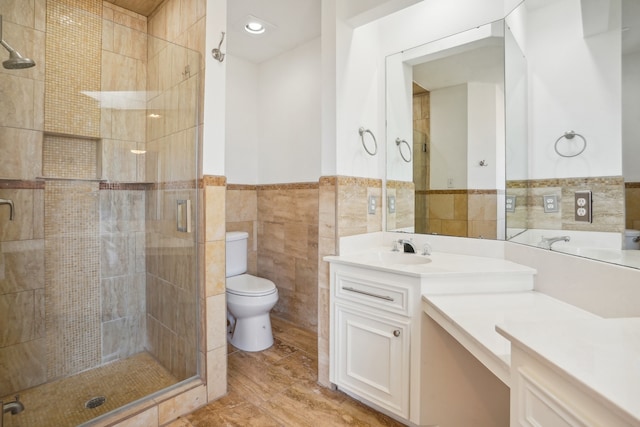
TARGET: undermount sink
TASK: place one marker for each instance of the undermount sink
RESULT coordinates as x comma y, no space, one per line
392,258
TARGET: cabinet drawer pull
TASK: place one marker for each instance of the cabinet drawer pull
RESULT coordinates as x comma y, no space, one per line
396,333
358,291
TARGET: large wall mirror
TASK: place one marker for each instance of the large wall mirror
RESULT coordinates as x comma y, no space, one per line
507,130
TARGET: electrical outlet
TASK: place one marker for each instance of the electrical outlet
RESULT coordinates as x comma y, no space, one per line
372,205
583,206
550,203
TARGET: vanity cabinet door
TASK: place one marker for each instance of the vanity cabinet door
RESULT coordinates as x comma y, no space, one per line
372,358
544,397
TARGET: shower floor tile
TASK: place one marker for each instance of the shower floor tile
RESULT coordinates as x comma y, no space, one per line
61,403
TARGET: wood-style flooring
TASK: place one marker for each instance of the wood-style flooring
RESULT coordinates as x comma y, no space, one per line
278,387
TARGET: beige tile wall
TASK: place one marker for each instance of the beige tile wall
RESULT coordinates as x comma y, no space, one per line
23,244
73,46
22,287
124,69
22,100
213,345
242,215
72,277
406,205
288,248
632,205
122,270
282,222
447,212
608,204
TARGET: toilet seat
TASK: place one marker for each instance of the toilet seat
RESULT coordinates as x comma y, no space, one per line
250,286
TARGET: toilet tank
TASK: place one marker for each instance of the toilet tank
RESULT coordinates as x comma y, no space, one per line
236,253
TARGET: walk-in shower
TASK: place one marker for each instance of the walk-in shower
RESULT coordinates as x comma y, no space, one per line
98,285
15,61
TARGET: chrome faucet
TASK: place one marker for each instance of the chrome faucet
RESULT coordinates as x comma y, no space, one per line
10,203
408,246
13,408
547,242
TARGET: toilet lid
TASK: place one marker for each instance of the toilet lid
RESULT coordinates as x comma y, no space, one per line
248,285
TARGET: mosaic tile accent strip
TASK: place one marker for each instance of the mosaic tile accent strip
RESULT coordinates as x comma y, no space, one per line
73,66
72,277
463,191
289,186
174,185
67,157
11,184
242,187
213,181
125,186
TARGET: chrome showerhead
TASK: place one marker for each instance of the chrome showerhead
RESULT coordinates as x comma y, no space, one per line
15,61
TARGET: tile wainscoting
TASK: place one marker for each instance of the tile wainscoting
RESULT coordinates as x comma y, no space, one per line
608,203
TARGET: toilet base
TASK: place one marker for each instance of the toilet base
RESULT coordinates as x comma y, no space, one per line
251,333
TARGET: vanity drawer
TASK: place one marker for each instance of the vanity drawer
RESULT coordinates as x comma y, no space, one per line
372,293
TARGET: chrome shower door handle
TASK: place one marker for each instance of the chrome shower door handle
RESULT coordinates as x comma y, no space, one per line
10,203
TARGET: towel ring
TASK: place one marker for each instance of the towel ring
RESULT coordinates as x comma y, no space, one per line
401,141
362,131
570,135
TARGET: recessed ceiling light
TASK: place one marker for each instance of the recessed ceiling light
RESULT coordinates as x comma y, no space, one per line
138,151
254,27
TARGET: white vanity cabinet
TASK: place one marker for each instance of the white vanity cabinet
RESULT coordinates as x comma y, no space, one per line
574,373
542,398
377,347
371,338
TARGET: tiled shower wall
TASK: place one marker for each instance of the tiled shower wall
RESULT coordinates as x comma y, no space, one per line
172,84
115,249
608,204
22,286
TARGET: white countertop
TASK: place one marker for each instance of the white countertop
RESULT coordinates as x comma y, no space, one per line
436,264
603,355
472,318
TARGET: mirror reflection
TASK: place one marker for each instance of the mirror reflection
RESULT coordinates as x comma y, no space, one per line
570,141
453,114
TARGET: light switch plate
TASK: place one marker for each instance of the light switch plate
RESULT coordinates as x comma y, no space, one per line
550,203
372,205
510,203
391,204
582,206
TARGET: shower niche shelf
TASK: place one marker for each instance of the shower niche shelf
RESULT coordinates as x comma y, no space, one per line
70,157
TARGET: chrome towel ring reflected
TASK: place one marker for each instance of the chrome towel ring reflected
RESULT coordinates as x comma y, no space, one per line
570,135
362,131
402,141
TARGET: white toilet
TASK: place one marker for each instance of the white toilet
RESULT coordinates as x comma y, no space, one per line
249,299
632,239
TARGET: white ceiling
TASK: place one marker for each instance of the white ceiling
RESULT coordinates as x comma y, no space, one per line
290,23
481,64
